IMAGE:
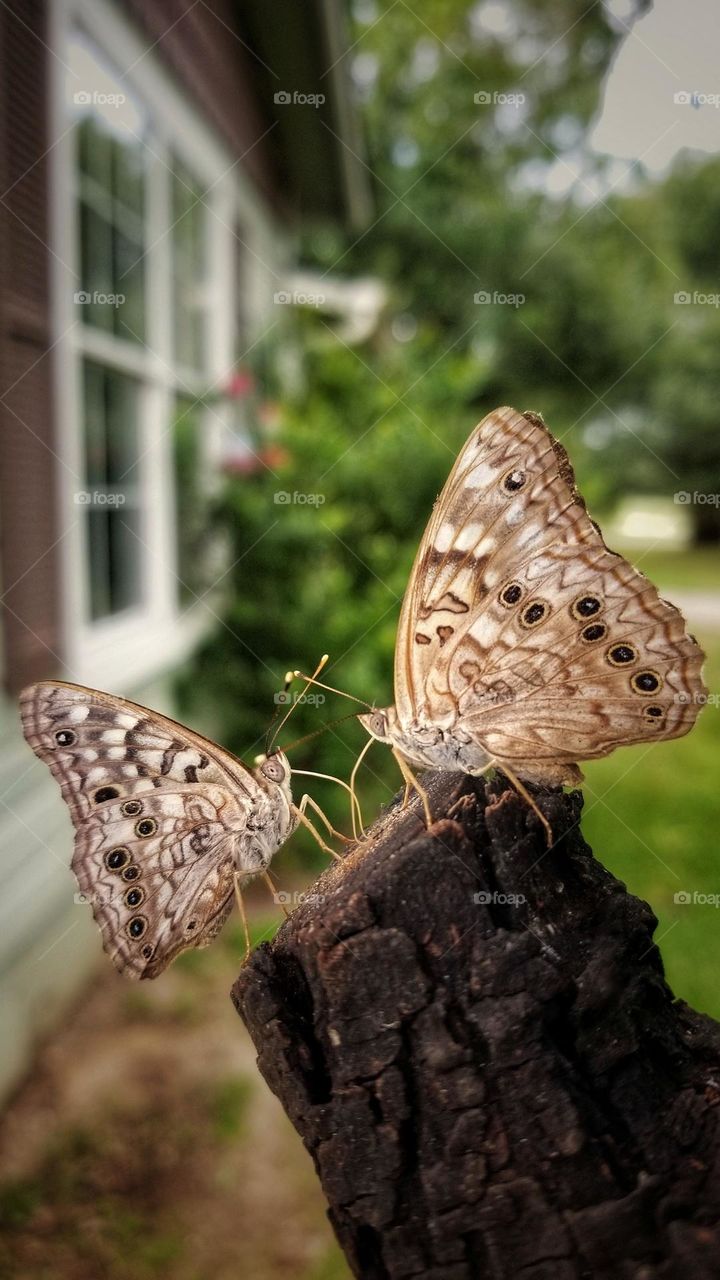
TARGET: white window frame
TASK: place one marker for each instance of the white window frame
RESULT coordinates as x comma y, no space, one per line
127,648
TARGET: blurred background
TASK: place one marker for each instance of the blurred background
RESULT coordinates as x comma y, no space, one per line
262,268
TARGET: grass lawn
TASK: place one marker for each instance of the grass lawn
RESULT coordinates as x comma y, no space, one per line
696,569
652,816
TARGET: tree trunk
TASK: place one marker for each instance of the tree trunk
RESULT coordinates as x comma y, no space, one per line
475,1040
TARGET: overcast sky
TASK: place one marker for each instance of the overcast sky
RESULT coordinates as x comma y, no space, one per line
674,48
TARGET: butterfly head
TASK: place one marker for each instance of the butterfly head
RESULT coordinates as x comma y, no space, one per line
274,768
382,724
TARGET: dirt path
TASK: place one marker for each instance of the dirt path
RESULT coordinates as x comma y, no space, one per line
146,1144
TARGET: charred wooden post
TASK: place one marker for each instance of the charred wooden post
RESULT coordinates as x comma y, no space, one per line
475,1040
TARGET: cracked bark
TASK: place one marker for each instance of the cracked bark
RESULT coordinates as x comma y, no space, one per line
502,1088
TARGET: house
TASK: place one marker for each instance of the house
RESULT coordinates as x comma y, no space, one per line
158,158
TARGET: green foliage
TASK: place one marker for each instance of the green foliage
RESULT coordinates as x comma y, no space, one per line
622,373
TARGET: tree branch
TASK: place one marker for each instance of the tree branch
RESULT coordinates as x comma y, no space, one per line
475,1040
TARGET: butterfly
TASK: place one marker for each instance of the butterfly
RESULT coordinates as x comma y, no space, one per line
524,642
166,822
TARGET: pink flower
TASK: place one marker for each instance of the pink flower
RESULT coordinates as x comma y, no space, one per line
241,384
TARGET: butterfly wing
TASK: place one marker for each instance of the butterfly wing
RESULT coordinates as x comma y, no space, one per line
522,629
158,812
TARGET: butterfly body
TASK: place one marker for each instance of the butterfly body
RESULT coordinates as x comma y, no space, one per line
165,820
523,640
427,745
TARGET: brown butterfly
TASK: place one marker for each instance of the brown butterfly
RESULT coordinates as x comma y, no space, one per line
167,823
524,643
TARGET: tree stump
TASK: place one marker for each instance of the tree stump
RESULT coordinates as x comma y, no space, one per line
475,1040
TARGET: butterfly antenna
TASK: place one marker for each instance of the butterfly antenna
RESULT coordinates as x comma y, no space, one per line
311,680
276,713
288,681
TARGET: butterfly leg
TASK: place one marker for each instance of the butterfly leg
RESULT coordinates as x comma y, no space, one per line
355,803
412,784
523,791
300,811
243,917
273,890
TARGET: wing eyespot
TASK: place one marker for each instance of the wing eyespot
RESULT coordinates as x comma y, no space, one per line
596,631
148,951
513,481
145,827
131,808
133,897
621,655
645,681
136,927
586,606
105,793
116,859
534,613
653,714
130,873
511,594
65,737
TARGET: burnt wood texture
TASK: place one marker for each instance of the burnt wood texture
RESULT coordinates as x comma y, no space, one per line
473,1035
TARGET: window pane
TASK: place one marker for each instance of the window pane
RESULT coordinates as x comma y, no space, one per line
94,152
111,495
189,269
111,192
